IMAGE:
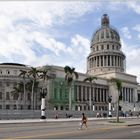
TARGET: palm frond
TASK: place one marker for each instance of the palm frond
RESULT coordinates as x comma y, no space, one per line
118,83
90,79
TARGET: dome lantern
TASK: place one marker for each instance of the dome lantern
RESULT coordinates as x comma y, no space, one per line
105,20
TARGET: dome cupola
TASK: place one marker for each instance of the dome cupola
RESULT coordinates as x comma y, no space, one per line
105,32
105,20
106,54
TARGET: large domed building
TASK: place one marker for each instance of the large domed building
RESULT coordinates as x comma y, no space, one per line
105,61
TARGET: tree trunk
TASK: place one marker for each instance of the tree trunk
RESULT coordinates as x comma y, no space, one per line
32,96
70,98
90,98
118,108
18,101
24,95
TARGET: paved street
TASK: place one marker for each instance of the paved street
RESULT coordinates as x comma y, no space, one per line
68,129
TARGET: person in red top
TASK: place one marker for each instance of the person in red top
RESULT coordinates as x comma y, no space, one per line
84,121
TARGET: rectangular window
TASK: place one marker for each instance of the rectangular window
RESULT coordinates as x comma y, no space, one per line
138,97
7,84
15,96
29,107
7,96
96,108
0,106
107,47
15,107
55,93
0,95
29,96
61,93
7,106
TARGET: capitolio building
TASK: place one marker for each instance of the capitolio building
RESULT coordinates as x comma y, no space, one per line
105,61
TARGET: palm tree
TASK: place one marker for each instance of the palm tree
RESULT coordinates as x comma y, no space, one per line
69,77
33,73
118,84
90,79
24,75
16,92
44,76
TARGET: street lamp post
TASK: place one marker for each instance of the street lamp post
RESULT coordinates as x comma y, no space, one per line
109,101
134,107
43,107
93,107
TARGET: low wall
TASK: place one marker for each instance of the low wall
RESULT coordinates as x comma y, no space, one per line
36,114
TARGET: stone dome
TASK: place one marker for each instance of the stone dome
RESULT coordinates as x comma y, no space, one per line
105,50
105,32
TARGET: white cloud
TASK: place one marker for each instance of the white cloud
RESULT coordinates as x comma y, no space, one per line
132,59
135,5
23,23
126,32
137,27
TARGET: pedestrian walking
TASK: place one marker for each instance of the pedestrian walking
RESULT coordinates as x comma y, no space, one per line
83,121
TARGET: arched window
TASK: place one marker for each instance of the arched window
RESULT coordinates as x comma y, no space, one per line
7,72
0,71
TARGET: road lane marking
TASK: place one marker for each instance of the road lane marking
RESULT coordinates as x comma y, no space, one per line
62,133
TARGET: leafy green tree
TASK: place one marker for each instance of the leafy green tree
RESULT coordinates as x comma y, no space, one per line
69,77
118,84
91,80
33,74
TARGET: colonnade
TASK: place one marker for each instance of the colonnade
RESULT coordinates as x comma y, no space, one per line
106,60
128,94
98,94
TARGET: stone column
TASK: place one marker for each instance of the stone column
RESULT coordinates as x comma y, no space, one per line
96,61
110,60
103,60
77,93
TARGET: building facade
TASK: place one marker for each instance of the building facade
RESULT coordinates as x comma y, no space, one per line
105,61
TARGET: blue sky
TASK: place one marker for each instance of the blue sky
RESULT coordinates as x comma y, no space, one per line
37,33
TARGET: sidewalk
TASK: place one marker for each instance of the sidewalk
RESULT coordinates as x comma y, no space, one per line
104,121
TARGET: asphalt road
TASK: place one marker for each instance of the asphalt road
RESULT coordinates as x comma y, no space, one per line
67,130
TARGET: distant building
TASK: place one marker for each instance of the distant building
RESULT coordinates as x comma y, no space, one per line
105,61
